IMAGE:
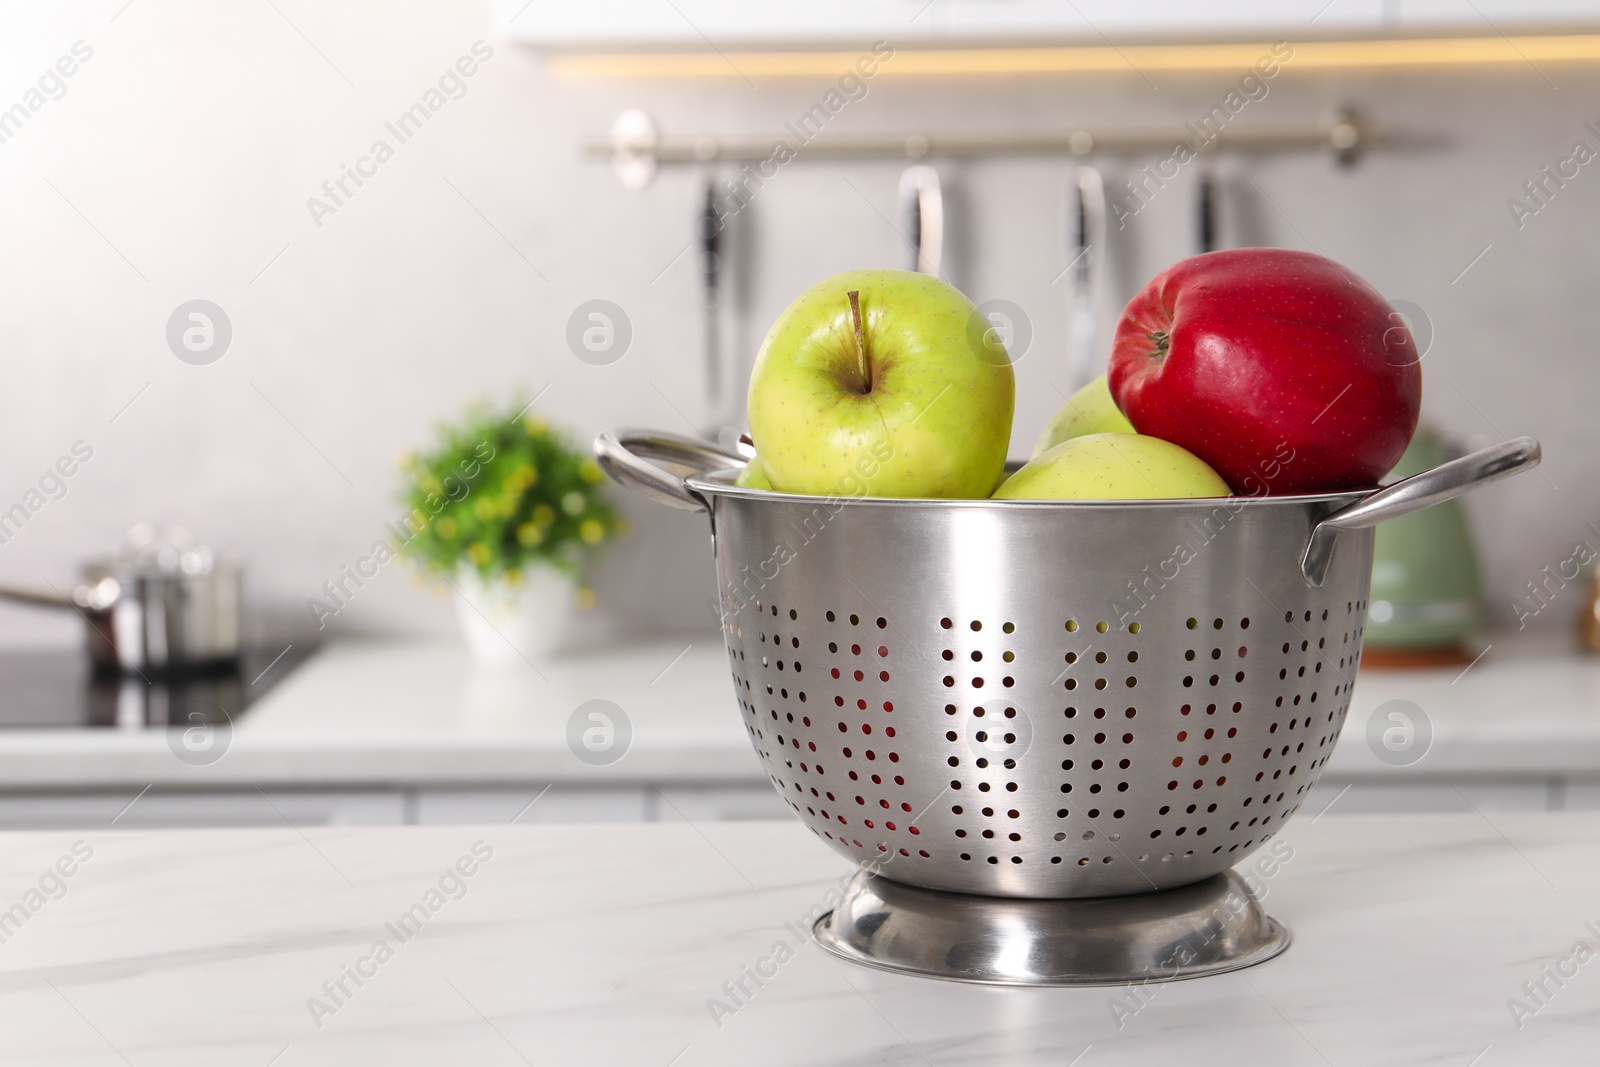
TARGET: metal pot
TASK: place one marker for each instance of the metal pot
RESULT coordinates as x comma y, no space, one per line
161,603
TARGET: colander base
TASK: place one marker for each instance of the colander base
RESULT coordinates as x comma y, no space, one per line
1208,927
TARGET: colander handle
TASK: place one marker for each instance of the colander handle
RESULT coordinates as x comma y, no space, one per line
633,458
1415,493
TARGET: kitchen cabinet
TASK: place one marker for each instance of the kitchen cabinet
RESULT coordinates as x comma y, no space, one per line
1580,795
165,809
1496,15
546,803
697,24
565,802
717,803
700,25
1368,796
672,802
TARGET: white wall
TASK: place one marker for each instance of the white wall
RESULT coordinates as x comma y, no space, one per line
194,135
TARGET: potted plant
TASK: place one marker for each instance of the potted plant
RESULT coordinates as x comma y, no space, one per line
506,510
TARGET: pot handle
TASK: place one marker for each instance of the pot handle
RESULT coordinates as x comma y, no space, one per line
631,458
38,600
1413,494
95,598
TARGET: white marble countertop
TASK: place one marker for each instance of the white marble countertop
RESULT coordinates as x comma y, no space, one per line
423,714
605,945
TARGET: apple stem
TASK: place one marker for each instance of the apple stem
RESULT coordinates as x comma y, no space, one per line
861,341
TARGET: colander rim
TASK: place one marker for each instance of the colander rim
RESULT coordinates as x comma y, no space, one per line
720,483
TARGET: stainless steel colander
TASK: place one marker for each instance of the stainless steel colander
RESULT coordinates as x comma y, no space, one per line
1041,699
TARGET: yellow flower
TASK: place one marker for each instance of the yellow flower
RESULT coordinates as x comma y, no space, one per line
573,503
544,514
530,533
533,426
446,528
591,531
584,598
513,578
523,476
484,509
478,552
590,471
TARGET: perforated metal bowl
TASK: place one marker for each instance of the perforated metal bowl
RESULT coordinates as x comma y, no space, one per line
1040,699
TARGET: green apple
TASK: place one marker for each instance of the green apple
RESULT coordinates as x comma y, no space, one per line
1113,466
882,383
753,477
1089,410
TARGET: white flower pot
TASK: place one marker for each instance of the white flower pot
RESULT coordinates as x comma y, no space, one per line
505,624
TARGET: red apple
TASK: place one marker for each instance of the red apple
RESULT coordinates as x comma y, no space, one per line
1281,369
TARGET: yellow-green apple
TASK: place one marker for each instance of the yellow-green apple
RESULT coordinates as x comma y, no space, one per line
872,383
753,477
1089,410
1113,466
1281,369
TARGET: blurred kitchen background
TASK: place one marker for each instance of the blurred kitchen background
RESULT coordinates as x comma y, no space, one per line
177,161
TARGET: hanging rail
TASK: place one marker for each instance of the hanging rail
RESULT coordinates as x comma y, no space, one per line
636,147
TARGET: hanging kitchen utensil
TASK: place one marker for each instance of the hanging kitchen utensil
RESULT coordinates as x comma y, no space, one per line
709,229
726,370
1205,214
162,603
922,208
1086,236
734,292
1027,700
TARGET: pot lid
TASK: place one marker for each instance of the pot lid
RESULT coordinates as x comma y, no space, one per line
161,550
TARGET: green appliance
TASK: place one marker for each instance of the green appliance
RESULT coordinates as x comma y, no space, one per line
1425,586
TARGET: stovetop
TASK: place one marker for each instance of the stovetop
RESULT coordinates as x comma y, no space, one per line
59,690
